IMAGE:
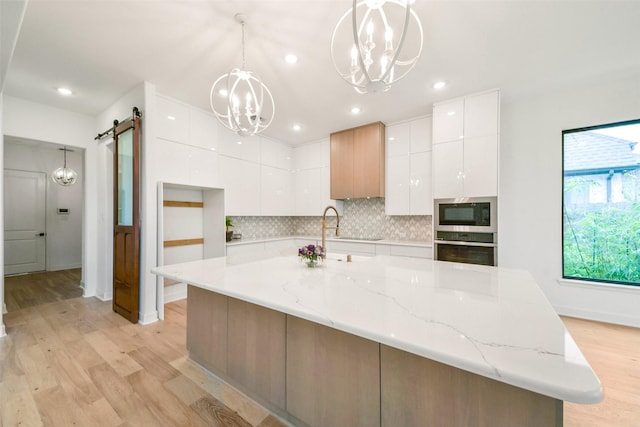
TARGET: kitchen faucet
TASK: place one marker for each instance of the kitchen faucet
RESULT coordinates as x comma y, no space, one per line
324,224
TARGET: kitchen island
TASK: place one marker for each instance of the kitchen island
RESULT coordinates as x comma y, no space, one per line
384,340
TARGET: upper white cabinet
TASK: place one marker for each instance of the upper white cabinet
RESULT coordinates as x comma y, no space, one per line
465,146
276,154
312,180
448,121
408,168
232,145
203,130
173,120
241,182
276,192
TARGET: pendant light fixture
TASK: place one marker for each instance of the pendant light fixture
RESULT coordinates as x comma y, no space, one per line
376,43
64,176
240,100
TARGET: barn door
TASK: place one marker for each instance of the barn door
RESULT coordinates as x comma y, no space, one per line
126,229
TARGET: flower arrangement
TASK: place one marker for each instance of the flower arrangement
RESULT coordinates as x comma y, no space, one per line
311,254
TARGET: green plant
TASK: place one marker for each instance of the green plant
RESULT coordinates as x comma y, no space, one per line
228,222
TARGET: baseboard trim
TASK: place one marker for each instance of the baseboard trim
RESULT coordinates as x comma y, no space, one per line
63,267
614,318
148,318
108,296
175,292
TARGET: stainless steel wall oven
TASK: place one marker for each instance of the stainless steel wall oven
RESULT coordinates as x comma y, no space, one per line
466,230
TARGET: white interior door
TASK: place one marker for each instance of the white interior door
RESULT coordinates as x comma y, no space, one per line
24,221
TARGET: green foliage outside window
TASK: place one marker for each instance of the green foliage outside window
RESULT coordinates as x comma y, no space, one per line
602,241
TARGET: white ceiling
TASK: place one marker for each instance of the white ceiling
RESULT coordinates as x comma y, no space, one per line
103,48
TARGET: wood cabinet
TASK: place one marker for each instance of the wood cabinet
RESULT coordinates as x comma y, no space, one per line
465,146
333,378
418,391
357,162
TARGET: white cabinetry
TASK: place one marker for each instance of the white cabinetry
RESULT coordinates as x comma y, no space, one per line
408,169
186,145
312,180
465,146
241,182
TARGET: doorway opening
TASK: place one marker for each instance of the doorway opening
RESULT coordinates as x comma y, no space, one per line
42,224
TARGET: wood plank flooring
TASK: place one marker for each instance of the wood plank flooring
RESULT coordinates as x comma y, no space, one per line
613,351
28,290
75,362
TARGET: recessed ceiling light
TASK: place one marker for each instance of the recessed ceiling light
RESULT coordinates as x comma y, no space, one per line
65,91
223,92
392,138
239,142
296,127
451,113
171,118
439,85
291,58
355,110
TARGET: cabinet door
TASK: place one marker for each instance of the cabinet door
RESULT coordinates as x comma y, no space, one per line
241,186
173,120
275,191
203,130
342,165
308,192
447,170
421,135
481,166
421,193
448,120
481,115
207,329
232,145
398,139
397,199
276,154
368,165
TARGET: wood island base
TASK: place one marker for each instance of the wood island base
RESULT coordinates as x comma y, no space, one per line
314,375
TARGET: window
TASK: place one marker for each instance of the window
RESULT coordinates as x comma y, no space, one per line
601,203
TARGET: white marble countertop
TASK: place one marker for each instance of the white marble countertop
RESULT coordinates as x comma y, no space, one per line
313,239
491,321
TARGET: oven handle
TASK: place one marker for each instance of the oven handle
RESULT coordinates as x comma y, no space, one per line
464,243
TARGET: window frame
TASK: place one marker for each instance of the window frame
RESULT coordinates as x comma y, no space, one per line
562,238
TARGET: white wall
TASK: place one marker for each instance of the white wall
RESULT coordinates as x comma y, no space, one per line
530,223
64,232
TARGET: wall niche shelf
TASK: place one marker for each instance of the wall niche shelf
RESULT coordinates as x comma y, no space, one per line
190,227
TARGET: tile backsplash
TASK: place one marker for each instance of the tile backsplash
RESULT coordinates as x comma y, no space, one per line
360,218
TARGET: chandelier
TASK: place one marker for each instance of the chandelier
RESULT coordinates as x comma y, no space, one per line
64,176
239,99
376,43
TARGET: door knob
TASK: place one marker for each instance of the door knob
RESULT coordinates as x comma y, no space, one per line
41,234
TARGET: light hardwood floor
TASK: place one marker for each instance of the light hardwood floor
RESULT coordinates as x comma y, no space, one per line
27,290
75,362
613,352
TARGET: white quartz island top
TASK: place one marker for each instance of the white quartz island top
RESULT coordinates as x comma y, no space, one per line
491,321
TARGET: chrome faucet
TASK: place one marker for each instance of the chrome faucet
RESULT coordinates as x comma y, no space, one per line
324,224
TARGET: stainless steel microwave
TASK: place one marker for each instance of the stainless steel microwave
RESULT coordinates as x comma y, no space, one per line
477,214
